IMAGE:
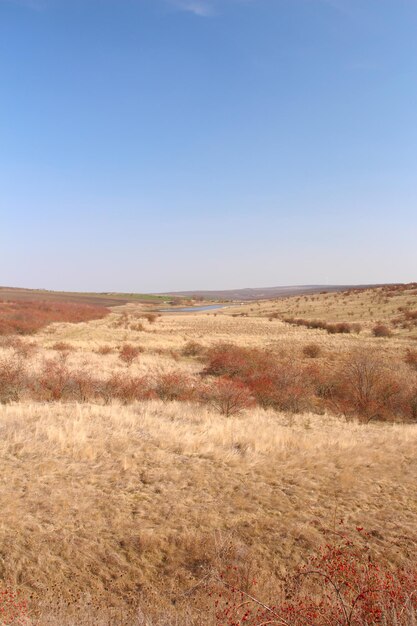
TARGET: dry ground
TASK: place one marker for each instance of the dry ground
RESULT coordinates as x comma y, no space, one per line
125,505
364,306
117,501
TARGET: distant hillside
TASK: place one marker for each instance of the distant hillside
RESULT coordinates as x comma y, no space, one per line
263,293
117,299
104,299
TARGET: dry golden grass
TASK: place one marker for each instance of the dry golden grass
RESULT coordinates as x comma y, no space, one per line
367,307
125,506
116,500
171,331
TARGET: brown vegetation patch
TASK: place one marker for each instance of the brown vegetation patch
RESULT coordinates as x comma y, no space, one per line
25,318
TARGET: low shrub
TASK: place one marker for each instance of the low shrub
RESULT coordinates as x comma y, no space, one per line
27,317
365,387
138,327
312,350
235,362
151,317
228,397
54,381
274,383
192,348
125,389
129,353
62,346
13,608
381,330
412,404
13,379
104,350
340,327
23,349
341,584
172,386
285,387
411,358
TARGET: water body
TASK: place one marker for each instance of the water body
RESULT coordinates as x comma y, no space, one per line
194,309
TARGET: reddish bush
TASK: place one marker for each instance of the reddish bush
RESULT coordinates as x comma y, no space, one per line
10,341
151,317
23,348
174,386
62,346
233,361
138,327
412,404
229,397
381,330
53,383
192,348
283,385
81,387
13,608
411,358
56,382
340,585
13,379
129,353
126,389
26,350
25,318
365,387
312,350
340,327
104,350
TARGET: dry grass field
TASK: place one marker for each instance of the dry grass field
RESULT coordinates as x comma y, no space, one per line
366,307
115,510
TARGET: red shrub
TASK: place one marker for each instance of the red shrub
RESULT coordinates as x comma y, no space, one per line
62,346
280,384
25,318
312,350
126,389
340,585
151,317
365,387
412,404
53,381
129,353
234,361
341,327
13,608
138,327
192,348
23,348
26,350
285,387
104,350
13,379
174,386
229,397
81,386
411,358
380,330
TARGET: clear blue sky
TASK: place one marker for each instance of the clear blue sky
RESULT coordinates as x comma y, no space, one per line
151,145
